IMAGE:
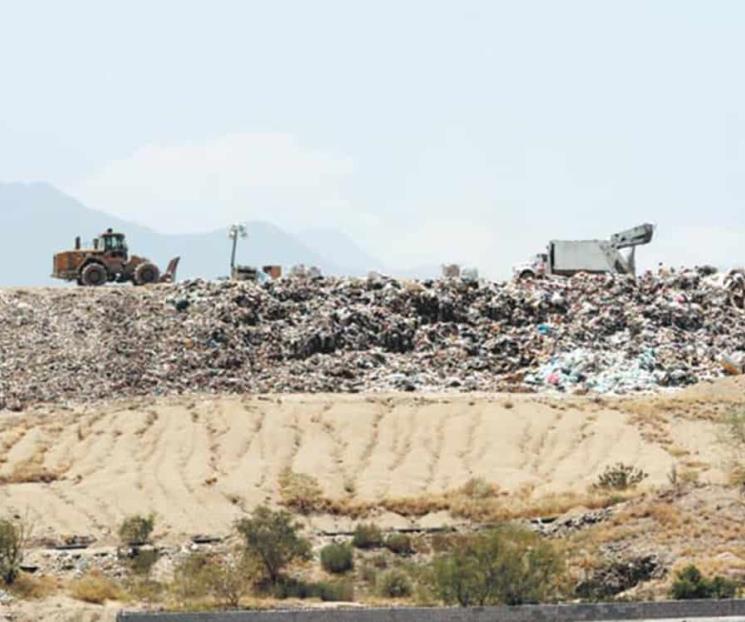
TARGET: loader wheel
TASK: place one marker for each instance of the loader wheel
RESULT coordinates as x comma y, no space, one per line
146,273
94,274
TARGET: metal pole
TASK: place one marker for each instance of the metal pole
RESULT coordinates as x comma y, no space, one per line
232,254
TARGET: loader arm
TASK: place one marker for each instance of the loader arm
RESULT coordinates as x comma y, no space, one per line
169,276
636,236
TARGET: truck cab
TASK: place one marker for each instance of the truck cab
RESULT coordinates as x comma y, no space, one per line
112,244
535,267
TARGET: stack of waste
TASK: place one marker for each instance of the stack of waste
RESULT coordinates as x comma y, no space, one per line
585,334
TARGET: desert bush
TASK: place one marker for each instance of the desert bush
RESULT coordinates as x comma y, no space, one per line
394,584
299,492
14,536
272,538
290,587
31,471
337,558
136,529
367,536
689,584
230,578
336,591
190,576
733,437
30,587
139,561
143,589
620,477
328,591
227,579
368,573
508,565
478,488
95,588
399,543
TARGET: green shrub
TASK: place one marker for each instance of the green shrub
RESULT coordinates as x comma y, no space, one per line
136,529
272,538
367,536
337,558
399,543
689,584
394,584
508,565
142,560
289,587
337,591
620,477
13,539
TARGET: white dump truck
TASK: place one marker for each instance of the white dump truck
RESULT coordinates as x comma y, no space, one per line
568,257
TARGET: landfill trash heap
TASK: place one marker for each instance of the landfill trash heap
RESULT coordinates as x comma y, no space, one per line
585,334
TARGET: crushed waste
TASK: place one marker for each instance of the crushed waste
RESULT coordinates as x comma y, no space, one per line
588,333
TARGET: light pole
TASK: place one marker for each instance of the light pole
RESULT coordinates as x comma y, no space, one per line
236,231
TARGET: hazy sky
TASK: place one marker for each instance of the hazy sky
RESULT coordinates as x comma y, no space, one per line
429,131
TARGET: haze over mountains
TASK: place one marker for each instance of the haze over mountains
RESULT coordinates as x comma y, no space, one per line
37,220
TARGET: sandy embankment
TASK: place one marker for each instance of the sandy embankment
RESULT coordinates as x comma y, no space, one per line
200,462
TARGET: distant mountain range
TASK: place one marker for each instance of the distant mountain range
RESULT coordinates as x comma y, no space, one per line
37,220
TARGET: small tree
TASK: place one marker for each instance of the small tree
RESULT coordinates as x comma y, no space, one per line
337,558
13,539
227,578
136,529
272,538
505,566
230,578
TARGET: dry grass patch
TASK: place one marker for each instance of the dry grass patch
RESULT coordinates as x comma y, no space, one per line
300,492
31,471
95,588
476,500
30,587
666,515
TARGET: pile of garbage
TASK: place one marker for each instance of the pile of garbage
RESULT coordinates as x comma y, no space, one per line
585,334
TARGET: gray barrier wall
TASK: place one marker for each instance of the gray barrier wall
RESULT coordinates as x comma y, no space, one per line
528,613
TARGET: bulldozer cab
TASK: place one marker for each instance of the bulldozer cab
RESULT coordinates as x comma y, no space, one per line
112,244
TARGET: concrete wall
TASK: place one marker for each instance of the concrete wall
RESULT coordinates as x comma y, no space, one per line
530,613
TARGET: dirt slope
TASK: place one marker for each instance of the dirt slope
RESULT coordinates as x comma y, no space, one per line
199,462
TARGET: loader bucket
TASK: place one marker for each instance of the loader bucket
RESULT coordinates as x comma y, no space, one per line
169,276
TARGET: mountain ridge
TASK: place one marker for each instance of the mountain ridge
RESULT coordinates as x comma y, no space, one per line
37,220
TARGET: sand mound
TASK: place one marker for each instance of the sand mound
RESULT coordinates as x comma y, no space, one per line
199,462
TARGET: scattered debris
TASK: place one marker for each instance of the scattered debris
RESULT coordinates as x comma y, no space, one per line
620,575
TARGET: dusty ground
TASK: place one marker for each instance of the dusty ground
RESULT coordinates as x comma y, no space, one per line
224,455
199,462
